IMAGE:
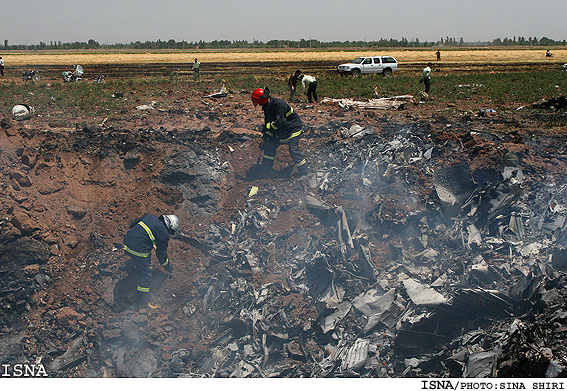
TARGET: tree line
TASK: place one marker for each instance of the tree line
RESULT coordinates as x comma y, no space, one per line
277,44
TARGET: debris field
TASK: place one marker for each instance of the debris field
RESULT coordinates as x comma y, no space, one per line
420,245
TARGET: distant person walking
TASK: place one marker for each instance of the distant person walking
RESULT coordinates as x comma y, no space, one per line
292,83
2,66
426,77
438,54
311,87
196,67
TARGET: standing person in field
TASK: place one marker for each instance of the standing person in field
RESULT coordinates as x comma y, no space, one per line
438,54
426,77
292,83
311,87
1,66
196,66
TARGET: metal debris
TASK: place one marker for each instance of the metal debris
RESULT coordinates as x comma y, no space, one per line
395,102
396,265
219,94
150,106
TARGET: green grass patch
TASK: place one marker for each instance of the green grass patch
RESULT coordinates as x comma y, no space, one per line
88,98
497,88
514,88
85,97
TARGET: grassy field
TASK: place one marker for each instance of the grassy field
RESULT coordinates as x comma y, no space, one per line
487,90
507,89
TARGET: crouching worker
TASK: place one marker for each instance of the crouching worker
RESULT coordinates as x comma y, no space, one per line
282,125
146,233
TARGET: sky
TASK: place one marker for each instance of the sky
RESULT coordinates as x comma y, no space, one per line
125,21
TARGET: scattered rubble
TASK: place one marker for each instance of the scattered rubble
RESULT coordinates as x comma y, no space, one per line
409,251
149,106
557,103
219,94
395,102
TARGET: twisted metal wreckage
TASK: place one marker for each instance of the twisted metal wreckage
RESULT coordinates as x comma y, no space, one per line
465,284
486,260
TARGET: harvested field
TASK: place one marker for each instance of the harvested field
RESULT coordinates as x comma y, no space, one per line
457,60
404,56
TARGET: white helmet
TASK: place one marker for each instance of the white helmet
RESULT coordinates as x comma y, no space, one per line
172,223
21,112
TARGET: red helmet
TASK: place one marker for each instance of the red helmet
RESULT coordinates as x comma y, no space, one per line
260,97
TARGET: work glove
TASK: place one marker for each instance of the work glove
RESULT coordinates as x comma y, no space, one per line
261,128
168,268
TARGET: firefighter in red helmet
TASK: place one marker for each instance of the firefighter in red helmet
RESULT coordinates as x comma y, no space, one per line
282,125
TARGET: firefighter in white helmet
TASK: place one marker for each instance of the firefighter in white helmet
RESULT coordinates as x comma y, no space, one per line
145,233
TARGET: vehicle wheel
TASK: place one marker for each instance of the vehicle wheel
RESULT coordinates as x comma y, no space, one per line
387,72
356,72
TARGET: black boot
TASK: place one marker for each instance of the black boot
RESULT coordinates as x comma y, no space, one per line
302,170
260,171
144,301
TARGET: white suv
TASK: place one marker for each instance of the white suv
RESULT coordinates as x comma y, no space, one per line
385,65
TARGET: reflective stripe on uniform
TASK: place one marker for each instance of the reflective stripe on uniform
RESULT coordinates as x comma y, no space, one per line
149,231
292,135
272,125
166,262
136,253
268,157
142,289
301,163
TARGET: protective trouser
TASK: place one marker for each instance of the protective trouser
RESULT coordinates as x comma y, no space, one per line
144,276
312,92
291,92
427,83
272,143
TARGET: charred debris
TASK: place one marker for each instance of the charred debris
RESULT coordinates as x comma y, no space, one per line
409,252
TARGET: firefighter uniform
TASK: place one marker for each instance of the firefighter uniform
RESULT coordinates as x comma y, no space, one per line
282,125
146,233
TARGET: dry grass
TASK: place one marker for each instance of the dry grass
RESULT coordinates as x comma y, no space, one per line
471,56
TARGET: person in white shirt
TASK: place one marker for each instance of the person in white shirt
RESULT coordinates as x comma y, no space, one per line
311,87
426,77
1,67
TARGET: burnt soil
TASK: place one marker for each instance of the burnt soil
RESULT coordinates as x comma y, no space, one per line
70,187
